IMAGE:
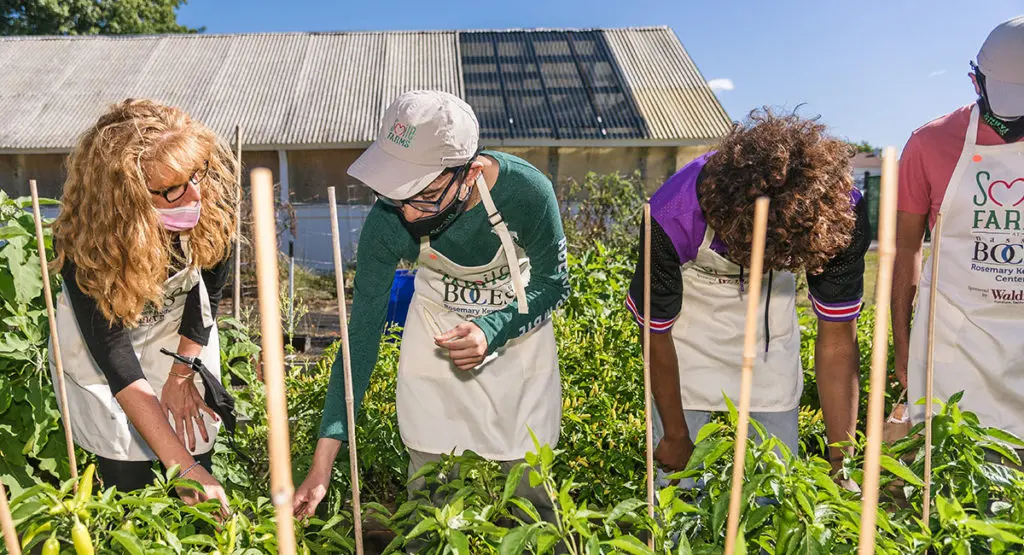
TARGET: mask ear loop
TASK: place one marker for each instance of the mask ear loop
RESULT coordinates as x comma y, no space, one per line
979,78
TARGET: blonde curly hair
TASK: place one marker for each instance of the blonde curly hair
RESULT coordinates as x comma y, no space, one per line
108,227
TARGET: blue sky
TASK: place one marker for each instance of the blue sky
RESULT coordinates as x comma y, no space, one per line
874,70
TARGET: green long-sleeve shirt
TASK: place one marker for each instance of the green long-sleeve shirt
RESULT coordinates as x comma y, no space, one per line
526,200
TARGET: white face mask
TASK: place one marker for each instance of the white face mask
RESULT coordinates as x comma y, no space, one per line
180,219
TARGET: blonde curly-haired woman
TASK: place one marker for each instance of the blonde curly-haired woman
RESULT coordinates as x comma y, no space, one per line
143,241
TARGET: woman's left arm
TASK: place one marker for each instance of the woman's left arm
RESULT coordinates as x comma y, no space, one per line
179,395
192,327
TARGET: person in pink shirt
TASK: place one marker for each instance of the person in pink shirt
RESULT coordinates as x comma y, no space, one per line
968,165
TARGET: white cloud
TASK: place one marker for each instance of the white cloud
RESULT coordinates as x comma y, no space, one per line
936,73
719,85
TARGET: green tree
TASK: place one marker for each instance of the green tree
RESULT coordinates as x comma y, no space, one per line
91,17
864,146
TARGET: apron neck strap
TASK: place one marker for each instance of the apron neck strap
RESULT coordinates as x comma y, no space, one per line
498,223
972,127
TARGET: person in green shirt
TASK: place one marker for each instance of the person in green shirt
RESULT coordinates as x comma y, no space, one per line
478,368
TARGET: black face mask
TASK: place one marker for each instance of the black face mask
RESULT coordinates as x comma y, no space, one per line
434,224
1009,130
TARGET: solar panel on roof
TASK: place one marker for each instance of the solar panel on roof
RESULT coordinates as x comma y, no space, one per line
546,84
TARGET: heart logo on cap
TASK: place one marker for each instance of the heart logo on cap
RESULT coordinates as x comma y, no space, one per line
1011,193
399,129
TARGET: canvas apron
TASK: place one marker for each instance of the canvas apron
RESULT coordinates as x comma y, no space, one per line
492,408
980,302
98,422
709,336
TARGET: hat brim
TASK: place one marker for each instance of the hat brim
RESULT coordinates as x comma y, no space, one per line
1005,99
392,177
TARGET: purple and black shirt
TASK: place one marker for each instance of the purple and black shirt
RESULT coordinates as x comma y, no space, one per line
677,232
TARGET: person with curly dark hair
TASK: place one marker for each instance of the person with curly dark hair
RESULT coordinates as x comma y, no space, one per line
701,231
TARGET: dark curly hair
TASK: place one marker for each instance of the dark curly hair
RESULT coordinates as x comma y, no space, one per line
804,172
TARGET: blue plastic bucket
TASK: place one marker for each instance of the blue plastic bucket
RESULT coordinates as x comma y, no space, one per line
401,295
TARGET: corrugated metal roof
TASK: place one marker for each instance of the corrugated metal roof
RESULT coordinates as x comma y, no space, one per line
283,89
330,89
666,85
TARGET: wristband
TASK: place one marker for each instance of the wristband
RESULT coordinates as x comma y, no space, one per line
189,469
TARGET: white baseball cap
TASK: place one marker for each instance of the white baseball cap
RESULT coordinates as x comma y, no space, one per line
1001,60
423,133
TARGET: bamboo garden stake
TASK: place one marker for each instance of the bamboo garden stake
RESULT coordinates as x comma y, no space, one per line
879,351
929,372
339,278
54,338
747,377
647,365
281,487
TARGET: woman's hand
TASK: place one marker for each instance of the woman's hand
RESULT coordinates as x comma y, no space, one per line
311,492
213,489
181,399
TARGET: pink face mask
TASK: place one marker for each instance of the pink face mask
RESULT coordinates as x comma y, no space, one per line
180,219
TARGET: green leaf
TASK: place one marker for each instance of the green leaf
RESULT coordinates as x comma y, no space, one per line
948,510
702,450
626,507
515,542
718,517
630,544
459,542
991,531
756,517
527,507
424,526
901,471
733,413
129,542
28,277
8,232
515,476
707,430
998,474
1004,436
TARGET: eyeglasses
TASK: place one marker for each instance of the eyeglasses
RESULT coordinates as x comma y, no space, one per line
175,192
423,205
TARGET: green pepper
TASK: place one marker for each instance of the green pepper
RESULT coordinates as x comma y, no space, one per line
84,493
51,546
80,537
27,538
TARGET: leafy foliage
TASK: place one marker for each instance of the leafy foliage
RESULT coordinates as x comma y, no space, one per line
91,17
594,476
32,446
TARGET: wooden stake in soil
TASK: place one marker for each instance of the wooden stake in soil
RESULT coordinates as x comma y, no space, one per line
339,279
54,339
10,534
879,351
930,372
281,487
236,305
747,377
647,365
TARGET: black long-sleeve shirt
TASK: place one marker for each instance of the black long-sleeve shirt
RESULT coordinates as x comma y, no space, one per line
109,343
